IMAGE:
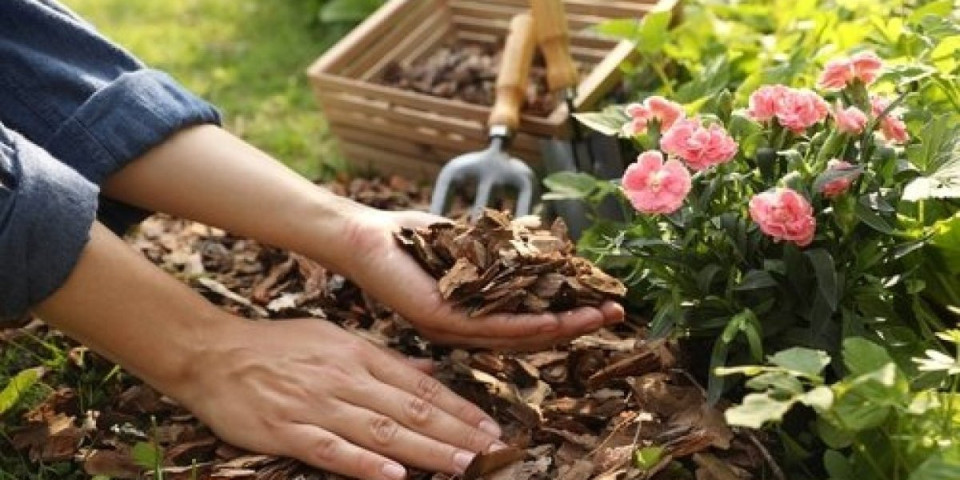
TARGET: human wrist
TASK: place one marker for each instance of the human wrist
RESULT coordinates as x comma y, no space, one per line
340,231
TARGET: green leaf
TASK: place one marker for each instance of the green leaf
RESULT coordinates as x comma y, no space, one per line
609,122
862,356
802,360
939,158
756,410
833,435
647,457
147,455
348,10
780,382
623,28
825,270
837,466
569,185
652,34
866,215
941,8
17,386
936,468
755,280
820,398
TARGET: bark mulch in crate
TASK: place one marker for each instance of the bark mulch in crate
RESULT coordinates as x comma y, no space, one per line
468,72
577,412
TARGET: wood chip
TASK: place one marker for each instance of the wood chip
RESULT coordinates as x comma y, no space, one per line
526,269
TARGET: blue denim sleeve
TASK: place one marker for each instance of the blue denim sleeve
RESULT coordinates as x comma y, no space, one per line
46,210
82,98
74,108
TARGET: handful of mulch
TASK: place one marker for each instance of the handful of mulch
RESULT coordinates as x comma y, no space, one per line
509,266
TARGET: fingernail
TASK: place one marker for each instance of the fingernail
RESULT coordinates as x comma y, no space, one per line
462,460
394,471
497,446
491,428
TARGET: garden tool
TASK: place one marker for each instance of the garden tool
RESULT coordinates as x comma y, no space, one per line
595,154
494,166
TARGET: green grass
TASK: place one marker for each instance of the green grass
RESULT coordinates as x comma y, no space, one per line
248,57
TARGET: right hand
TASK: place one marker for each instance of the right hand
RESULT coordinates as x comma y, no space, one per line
310,390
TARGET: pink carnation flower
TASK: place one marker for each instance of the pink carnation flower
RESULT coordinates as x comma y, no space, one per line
838,73
838,186
701,147
849,120
765,101
801,109
655,186
653,108
784,215
891,126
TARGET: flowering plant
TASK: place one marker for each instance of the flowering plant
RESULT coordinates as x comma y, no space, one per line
794,220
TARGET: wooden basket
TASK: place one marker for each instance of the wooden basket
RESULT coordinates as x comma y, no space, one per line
392,130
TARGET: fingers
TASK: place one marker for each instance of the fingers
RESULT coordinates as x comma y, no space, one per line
419,389
507,331
324,450
502,325
379,432
417,219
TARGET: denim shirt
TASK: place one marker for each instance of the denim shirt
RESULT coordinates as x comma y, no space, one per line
74,108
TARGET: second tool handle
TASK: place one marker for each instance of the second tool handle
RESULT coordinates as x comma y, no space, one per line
554,39
514,70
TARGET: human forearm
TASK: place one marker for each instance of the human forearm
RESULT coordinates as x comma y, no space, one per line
120,305
206,174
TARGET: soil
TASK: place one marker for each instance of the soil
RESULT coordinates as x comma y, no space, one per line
578,412
468,72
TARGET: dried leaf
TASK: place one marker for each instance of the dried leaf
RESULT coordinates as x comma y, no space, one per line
486,463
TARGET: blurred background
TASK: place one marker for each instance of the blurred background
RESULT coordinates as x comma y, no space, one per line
248,57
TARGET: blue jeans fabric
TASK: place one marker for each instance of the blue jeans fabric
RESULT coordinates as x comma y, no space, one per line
74,108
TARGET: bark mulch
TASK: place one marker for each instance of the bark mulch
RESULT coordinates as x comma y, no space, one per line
612,405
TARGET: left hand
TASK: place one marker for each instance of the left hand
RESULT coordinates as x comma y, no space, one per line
390,274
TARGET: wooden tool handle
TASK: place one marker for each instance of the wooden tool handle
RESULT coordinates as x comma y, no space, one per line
514,70
554,40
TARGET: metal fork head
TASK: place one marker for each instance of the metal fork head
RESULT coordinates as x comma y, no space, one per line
489,168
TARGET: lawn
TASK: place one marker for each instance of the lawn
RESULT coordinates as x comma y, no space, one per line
248,57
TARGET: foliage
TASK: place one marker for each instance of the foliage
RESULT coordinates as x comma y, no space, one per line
848,310
874,422
876,266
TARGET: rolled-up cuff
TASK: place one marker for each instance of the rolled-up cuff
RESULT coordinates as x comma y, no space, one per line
123,120
46,212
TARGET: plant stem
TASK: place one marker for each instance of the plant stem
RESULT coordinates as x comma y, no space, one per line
664,79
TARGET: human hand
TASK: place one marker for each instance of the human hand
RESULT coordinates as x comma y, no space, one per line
309,390
392,276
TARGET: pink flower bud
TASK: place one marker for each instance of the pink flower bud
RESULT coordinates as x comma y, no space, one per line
850,120
891,125
654,186
784,215
838,186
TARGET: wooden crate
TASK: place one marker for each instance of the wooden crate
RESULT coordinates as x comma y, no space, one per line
398,131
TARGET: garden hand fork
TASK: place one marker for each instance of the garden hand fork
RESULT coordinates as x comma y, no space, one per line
494,166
